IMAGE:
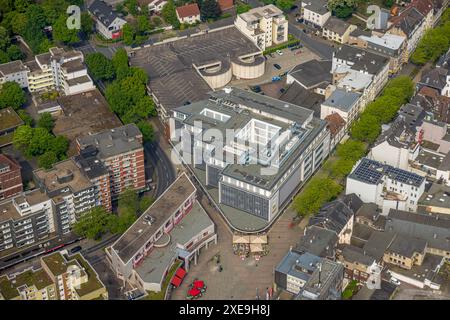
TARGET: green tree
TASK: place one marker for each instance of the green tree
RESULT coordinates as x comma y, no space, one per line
14,53
351,150
120,63
100,67
242,8
131,5
366,129
284,5
87,24
94,223
47,160
39,143
59,145
128,34
26,118
21,5
147,130
22,137
19,23
169,14
143,25
4,58
12,95
5,40
128,201
63,34
46,121
145,203
210,9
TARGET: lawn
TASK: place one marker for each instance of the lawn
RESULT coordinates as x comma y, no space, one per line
350,290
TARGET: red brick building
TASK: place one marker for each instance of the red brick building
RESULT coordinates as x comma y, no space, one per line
121,152
10,178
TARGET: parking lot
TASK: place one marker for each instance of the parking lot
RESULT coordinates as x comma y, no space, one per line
286,61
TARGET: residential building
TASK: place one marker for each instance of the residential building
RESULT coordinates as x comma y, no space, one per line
225,5
389,45
436,199
397,146
25,219
325,282
14,71
426,8
121,152
361,71
434,229
294,270
189,13
369,215
74,277
405,251
386,186
431,164
28,285
433,103
337,30
171,232
410,23
10,177
265,26
59,278
97,173
338,216
343,102
107,21
61,70
9,121
358,265
315,12
278,146
439,6
70,189
434,136
437,78
319,241
153,6
337,127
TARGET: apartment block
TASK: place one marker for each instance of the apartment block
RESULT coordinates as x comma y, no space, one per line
265,26
25,219
58,278
55,70
315,12
171,231
70,189
74,277
385,185
121,151
10,177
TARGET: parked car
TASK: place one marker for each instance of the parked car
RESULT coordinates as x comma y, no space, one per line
395,281
279,52
276,79
277,66
282,90
75,249
256,89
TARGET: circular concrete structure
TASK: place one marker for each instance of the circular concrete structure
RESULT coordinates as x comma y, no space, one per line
249,67
217,76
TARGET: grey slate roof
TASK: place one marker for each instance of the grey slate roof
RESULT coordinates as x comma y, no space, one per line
433,229
435,78
103,12
342,99
362,59
312,73
317,6
406,246
336,25
336,214
354,254
293,263
318,241
377,244
296,94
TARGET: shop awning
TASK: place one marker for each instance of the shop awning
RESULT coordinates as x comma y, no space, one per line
256,247
261,239
176,281
180,273
241,239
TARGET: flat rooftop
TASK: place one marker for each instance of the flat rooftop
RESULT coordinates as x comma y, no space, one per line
84,113
115,141
12,67
170,66
63,174
9,119
8,210
140,232
153,267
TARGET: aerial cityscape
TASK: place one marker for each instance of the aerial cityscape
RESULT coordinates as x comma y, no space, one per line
225,150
